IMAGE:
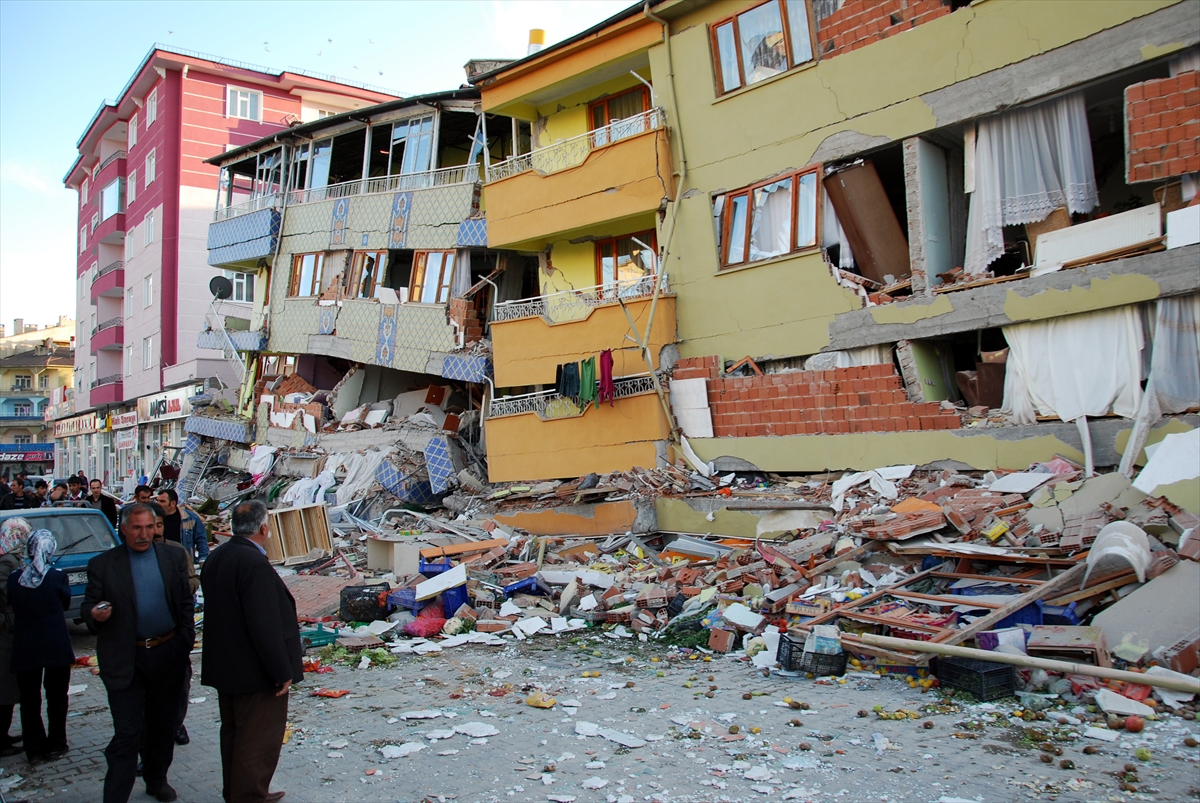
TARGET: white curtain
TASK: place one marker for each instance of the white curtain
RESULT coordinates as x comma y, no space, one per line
461,282
771,231
833,234
1074,366
1028,162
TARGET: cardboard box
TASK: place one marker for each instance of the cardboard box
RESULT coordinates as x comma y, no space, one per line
721,640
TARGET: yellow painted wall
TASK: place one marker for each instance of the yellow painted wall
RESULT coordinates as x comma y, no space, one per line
526,352
783,307
604,518
567,116
605,438
625,179
572,267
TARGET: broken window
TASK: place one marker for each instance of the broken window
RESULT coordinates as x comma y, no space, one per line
769,219
760,42
367,275
432,273
306,275
617,116
318,175
268,173
622,261
346,158
412,146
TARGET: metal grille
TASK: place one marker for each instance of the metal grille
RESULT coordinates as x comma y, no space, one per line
538,402
109,324
111,379
112,158
109,268
576,304
573,151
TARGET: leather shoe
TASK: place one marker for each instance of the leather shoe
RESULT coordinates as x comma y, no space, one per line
181,736
138,770
275,797
166,793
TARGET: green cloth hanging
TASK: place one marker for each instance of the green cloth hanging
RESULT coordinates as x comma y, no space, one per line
587,380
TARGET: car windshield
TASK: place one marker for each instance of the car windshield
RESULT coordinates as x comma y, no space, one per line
77,534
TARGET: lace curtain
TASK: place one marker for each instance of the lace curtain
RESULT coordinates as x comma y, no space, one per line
1028,162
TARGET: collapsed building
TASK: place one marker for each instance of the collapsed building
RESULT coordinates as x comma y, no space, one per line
760,237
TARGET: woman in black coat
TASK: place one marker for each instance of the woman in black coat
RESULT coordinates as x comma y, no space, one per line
42,653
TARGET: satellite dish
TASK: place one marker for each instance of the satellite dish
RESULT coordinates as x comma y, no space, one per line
220,287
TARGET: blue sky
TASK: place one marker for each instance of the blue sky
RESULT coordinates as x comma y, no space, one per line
60,60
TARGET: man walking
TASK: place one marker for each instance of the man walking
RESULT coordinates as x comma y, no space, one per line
252,655
139,604
183,526
102,502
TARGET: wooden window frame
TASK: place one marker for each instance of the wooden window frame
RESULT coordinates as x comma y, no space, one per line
748,192
737,44
649,236
417,283
294,278
604,101
354,289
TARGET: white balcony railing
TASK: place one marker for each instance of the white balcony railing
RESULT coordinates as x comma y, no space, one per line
267,201
538,402
444,177
570,305
572,152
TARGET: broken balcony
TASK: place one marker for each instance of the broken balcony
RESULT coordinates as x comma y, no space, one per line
531,336
613,172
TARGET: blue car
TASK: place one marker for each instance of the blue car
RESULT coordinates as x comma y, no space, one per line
82,534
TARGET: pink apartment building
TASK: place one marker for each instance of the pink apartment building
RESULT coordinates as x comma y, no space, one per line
146,198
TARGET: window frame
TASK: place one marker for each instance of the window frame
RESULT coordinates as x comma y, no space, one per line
715,51
604,101
151,166
598,252
105,213
748,192
95,222
417,283
147,290
148,228
22,440
151,107
131,132
83,238
147,352
230,106
83,193
129,360
131,187
245,282
22,382
315,283
354,287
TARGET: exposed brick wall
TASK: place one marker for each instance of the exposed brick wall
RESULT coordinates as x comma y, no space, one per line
858,23
463,313
1162,127
869,398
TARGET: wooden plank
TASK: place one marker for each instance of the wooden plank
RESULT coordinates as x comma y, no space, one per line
954,599
316,527
989,578
1096,590
291,530
462,549
275,542
1064,580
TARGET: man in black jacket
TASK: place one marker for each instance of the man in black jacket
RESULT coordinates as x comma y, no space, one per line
252,655
139,604
102,502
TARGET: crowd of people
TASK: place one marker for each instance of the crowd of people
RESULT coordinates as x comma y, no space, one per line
25,493
140,602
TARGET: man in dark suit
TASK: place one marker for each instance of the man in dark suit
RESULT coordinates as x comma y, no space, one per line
139,604
252,655
102,502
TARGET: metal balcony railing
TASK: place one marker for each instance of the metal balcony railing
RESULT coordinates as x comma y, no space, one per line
111,158
267,201
111,379
538,402
109,324
572,152
576,304
443,177
20,419
109,268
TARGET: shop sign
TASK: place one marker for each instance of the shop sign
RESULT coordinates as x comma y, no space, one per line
165,406
79,425
26,457
125,439
124,420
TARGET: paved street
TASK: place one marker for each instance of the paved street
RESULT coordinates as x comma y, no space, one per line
505,750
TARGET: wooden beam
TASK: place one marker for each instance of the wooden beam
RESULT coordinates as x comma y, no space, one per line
1064,580
1096,590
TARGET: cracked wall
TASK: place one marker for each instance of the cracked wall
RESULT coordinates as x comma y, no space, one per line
970,63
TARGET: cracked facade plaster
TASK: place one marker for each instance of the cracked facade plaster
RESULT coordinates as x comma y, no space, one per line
975,61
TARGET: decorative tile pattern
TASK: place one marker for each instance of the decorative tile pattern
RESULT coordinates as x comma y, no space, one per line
237,430
243,238
385,344
467,368
408,488
327,320
401,206
341,217
473,232
443,461
192,444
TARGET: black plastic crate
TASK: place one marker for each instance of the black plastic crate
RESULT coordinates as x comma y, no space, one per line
985,680
362,603
792,657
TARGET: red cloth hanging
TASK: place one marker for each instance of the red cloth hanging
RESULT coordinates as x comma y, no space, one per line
608,391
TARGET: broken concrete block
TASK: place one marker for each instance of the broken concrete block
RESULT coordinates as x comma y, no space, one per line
721,640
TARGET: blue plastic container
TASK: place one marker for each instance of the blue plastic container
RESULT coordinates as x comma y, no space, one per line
1060,615
433,569
454,599
1031,614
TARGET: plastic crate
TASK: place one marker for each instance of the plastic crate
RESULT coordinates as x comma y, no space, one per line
1060,615
407,598
1031,614
363,603
527,586
792,657
453,599
983,679
434,568
318,636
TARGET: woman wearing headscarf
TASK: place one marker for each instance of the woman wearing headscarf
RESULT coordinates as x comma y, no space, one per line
13,535
42,653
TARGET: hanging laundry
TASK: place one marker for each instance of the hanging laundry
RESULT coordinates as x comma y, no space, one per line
608,390
568,384
587,380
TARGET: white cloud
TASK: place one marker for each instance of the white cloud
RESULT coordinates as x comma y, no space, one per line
28,177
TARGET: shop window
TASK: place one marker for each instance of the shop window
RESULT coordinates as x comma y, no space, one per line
306,275
432,273
622,261
768,219
760,42
617,116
